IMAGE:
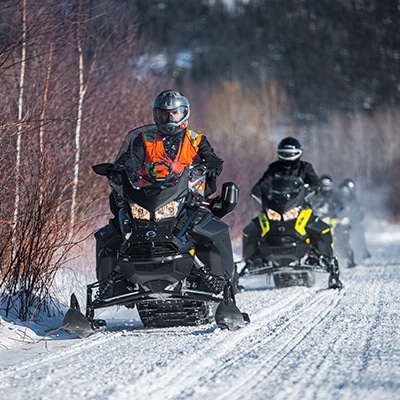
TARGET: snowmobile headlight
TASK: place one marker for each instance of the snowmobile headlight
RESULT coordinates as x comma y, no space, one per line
139,212
168,211
345,221
327,220
273,215
293,213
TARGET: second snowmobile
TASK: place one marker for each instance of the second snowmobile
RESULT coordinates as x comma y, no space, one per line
287,241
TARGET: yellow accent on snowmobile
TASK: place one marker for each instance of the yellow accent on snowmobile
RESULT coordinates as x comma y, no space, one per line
264,223
302,221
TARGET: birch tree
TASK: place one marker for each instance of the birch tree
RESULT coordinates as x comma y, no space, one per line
81,97
20,122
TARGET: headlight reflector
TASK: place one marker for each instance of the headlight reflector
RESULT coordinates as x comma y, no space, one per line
273,215
293,213
168,211
139,212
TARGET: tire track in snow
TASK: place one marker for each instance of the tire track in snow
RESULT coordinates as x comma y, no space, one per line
231,349
219,345
349,334
301,343
287,337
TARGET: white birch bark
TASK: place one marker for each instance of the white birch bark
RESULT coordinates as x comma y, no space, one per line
81,97
82,91
20,120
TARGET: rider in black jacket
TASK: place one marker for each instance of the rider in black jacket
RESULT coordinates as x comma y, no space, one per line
289,163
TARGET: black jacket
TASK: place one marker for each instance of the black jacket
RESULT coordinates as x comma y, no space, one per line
327,204
302,169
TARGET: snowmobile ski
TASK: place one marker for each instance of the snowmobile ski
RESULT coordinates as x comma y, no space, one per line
228,316
75,322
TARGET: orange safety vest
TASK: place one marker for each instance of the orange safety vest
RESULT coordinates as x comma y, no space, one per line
155,153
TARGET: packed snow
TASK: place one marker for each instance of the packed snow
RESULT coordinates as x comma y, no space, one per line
302,343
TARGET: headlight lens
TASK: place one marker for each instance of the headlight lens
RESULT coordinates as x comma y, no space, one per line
273,215
168,211
293,213
139,212
327,220
345,221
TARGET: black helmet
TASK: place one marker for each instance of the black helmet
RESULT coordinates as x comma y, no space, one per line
165,105
347,186
326,182
289,149
349,183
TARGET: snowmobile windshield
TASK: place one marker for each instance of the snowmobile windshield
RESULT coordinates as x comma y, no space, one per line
282,193
155,175
145,174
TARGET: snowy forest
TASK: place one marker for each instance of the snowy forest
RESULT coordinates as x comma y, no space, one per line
77,75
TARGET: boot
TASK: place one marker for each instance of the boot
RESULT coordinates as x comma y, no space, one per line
215,283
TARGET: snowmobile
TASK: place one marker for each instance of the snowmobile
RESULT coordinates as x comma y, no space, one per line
340,228
287,242
173,262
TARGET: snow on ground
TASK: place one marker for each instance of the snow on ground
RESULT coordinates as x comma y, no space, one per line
302,343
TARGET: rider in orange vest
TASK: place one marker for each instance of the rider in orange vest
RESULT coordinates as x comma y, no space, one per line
170,142
153,150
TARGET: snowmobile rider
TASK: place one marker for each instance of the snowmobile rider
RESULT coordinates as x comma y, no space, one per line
289,163
327,203
354,211
170,142
328,206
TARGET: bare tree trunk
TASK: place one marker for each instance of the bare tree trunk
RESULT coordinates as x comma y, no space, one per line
82,91
45,97
81,97
20,118
43,121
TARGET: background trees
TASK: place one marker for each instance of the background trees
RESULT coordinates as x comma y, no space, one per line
70,88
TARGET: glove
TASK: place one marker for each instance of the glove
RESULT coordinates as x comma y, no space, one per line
116,174
213,173
116,179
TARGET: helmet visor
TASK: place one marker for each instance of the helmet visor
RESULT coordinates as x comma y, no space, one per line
174,116
289,154
327,184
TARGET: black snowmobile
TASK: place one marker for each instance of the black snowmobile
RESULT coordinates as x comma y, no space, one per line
173,262
340,225
287,241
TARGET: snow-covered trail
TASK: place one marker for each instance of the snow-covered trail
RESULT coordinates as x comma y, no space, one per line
302,343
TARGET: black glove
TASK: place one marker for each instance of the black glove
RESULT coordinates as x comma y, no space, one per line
116,174
211,175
